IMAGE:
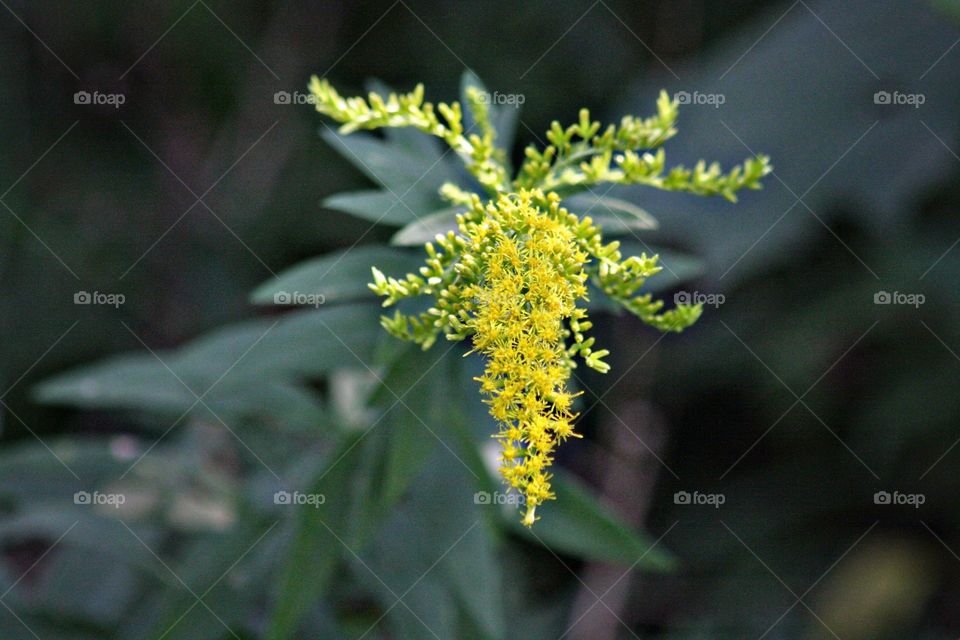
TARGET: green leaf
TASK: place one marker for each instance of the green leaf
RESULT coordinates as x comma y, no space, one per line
308,344
273,403
302,344
579,524
474,571
409,442
394,167
233,362
337,276
410,177
384,207
129,381
615,217
425,229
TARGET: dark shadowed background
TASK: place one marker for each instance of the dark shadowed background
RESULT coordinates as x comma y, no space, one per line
784,469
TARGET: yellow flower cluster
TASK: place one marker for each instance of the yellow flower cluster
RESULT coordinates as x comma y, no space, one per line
532,278
512,274
510,280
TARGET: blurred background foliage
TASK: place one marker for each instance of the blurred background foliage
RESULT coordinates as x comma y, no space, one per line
797,399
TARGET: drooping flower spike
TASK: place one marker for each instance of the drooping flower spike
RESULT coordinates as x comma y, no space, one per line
513,277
